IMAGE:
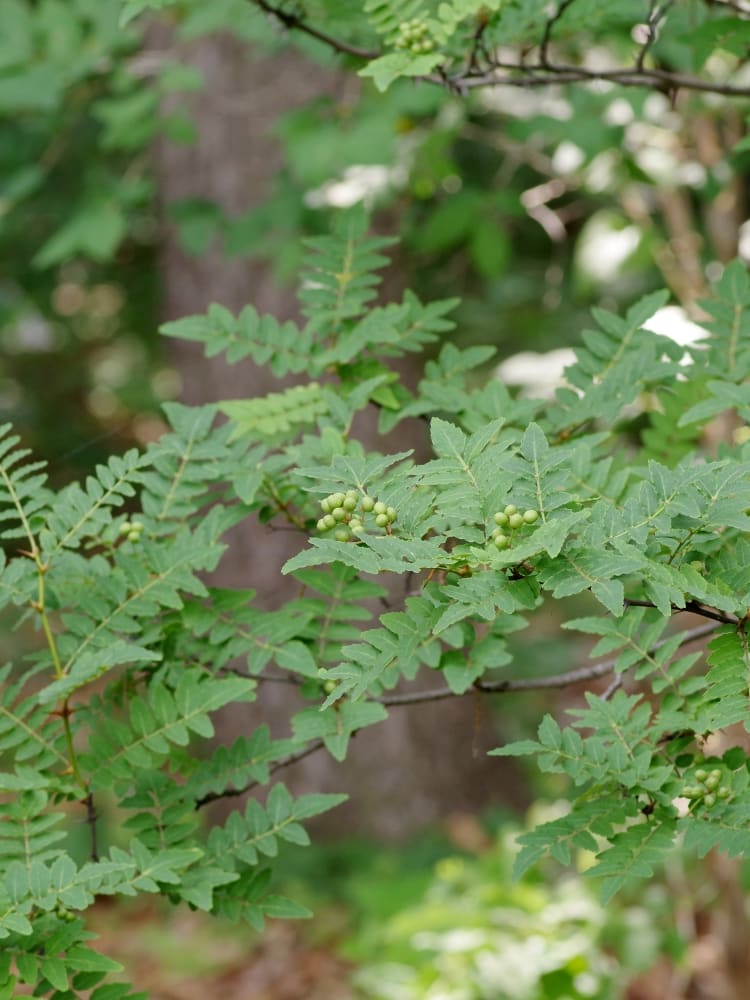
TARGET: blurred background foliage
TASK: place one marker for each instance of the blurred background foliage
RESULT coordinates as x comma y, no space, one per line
532,206
529,204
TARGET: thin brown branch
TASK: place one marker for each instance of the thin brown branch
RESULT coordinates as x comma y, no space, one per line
656,16
91,817
557,681
693,608
293,758
548,29
293,22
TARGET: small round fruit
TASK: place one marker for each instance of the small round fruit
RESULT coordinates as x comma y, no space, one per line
500,518
709,800
336,499
692,791
350,503
701,775
137,525
352,493
501,541
380,508
338,513
451,577
716,773
367,504
511,509
134,536
329,521
530,516
723,792
325,505
125,527
382,520
712,782
329,686
342,535
321,525
392,515
515,520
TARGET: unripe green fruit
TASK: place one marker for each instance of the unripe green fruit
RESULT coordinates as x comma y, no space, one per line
354,494
329,686
701,775
338,513
336,499
515,520
530,516
392,515
321,525
382,520
716,773
367,504
709,800
137,525
325,506
692,791
500,518
723,792
380,508
329,521
134,536
125,527
511,509
452,577
496,532
342,535
501,541
349,503
712,782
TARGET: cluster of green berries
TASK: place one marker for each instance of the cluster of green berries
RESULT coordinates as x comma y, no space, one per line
345,512
132,530
708,787
415,36
510,519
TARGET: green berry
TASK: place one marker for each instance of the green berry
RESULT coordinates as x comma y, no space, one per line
709,800
125,527
500,518
723,792
342,535
530,516
501,541
134,536
712,782
452,577
496,532
352,493
691,791
382,520
325,506
349,503
392,515
336,499
137,525
701,775
338,513
321,525
380,508
511,509
515,520
329,686
367,504
716,773
329,521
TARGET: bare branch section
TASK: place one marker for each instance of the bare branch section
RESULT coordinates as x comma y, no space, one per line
543,72
578,676
557,681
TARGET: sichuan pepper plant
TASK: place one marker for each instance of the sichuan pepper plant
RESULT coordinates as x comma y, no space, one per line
523,503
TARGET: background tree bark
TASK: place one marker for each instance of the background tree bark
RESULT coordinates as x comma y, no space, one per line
425,762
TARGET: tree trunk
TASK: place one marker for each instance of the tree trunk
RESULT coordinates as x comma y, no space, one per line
424,762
